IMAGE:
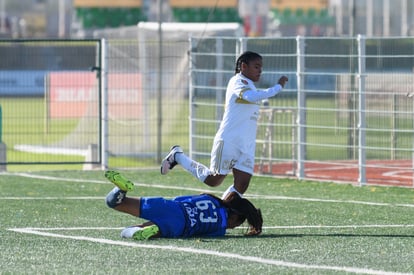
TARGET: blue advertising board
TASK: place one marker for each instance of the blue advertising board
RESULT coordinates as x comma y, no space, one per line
22,83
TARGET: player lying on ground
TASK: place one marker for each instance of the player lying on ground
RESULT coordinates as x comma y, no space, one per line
184,216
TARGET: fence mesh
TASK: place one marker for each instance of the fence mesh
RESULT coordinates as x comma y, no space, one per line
327,124
345,115
36,78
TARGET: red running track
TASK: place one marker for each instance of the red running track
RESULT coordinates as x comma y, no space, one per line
381,172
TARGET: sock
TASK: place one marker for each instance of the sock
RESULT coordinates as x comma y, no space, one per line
198,170
115,197
229,190
128,232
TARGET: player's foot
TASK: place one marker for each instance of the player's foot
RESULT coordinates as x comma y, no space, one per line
146,233
129,231
169,162
140,233
116,178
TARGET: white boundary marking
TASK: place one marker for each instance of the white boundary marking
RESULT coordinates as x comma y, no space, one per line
355,226
52,198
247,196
210,252
50,150
391,174
333,201
160,186
397,174
33,176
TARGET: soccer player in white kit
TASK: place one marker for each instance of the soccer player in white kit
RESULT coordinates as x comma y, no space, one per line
235,141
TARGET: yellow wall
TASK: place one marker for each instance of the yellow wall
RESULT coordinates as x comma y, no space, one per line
299,4
203,3
107,3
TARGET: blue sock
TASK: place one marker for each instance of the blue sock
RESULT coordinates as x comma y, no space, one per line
115,197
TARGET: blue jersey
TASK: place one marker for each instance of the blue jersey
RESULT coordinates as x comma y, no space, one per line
186,216
205,215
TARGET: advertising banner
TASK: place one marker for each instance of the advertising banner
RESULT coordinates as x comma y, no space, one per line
76,94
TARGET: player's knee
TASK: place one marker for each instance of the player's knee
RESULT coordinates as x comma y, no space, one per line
109,201
215,180
114,198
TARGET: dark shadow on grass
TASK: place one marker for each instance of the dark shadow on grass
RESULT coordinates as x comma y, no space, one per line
274,236
348,235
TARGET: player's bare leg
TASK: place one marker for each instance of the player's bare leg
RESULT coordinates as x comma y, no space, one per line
130,206
118,193
117,200
240,185
214,180
241,180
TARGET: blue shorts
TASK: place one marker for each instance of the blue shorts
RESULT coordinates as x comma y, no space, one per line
167,214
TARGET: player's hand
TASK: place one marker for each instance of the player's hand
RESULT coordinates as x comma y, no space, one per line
282,81
253,231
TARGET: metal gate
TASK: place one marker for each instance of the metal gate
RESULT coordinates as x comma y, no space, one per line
50,99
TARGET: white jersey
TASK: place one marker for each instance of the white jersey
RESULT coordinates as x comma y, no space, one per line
239,123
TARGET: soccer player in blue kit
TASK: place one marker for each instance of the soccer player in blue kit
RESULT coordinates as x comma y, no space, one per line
184,216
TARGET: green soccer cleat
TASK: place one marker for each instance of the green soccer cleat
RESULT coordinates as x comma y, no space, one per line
146,232
119,180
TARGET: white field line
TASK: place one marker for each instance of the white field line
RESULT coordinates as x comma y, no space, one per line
51,198
212,253
353,226
247,196
33,176
160,186
333,201
397,174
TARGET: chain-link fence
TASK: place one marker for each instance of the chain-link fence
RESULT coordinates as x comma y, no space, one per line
346,113
49,99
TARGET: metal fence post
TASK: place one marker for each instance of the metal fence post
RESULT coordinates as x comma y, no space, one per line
104,106
3,148
147,75
361,111
219,78
192,107
301,97
241,46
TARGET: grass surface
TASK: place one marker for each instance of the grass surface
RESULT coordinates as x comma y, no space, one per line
310,228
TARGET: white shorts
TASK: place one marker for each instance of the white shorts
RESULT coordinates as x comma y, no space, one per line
225,156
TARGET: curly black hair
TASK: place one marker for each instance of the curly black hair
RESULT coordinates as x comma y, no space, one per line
245,57
245,210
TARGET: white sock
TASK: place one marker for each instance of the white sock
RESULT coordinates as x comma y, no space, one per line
198,170
128,232
229,190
